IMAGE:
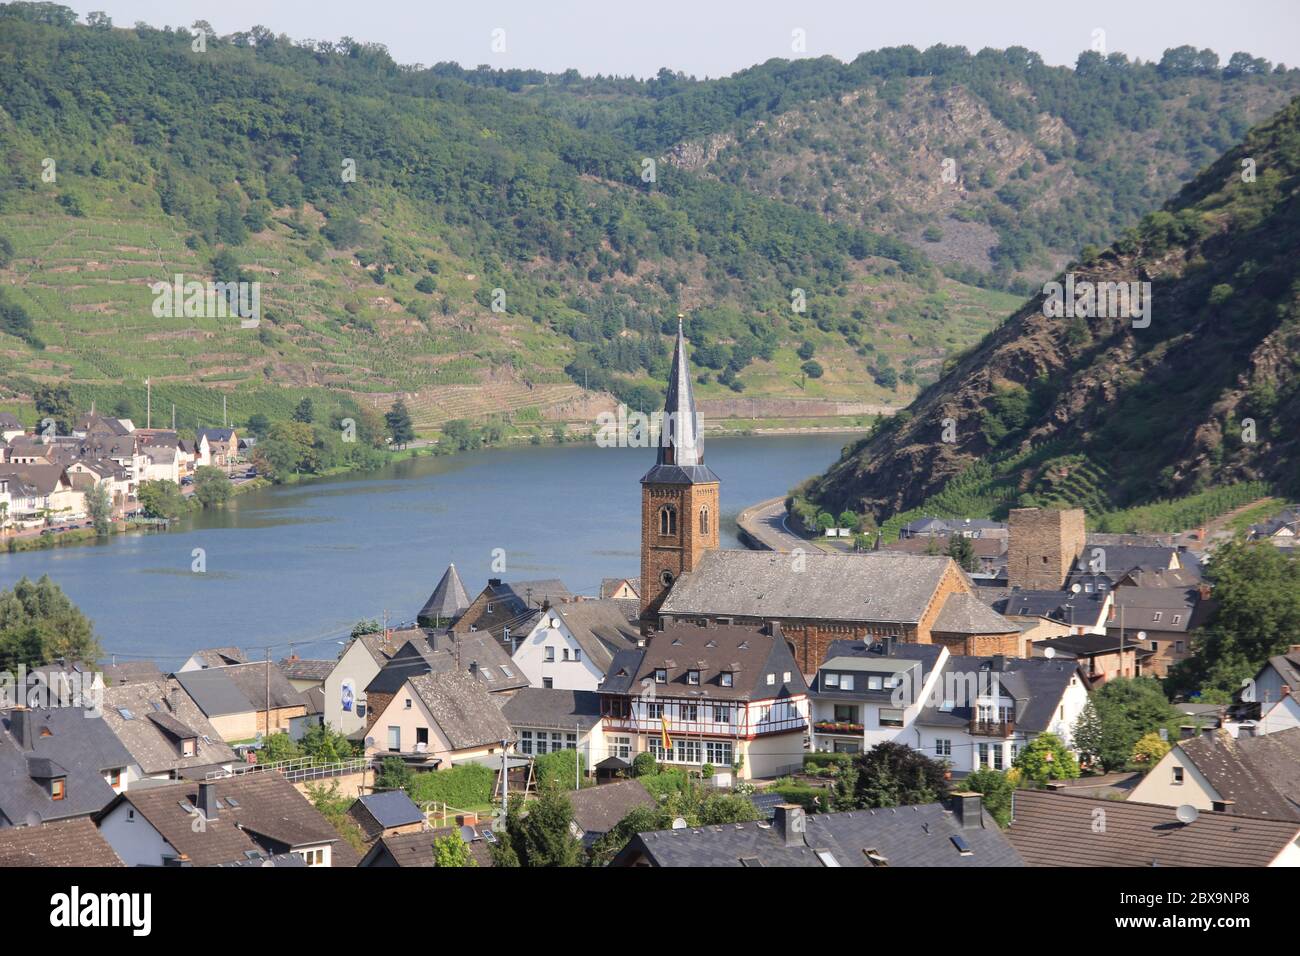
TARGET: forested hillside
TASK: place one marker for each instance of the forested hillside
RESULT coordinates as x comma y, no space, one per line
1199,393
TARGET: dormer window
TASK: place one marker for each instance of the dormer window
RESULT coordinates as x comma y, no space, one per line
692,677
726,678
661,675
57,788
189,746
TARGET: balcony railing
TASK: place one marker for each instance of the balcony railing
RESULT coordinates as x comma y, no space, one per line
992,728
841,727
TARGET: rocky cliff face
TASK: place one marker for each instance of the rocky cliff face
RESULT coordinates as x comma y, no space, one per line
1204,394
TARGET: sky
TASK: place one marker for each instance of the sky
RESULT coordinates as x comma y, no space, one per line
718,37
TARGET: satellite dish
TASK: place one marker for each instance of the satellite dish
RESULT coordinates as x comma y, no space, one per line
1142,635
1187,814
679,823
1049,652
1075,589
467,833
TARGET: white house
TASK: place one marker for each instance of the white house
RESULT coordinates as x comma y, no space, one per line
345,686
1269,703
571,645
984,709
862,694
544,721
439,720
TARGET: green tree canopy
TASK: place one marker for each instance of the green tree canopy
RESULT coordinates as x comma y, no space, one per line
39,624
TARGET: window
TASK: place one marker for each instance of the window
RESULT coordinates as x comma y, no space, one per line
577,654
1178,646
565,653
692,677
725,678
721,714
771,680
1157,616
115,778
570,741
890,717
313,857
704,521
689,712
1178,619
408,703
395,740
943,748
550,655
667,520
187,747
1178,776
489,607
785,677
687,750
846,714
654,711
56,789
548,683
874,682
661,675
620,747
718,753
526,741
1155,645
983,755
845,746
830,681
846,682
997,756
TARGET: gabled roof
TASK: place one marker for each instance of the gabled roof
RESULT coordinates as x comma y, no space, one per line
416,849
1141,605
151,740
964,613
749,653
216,434
1035,684
462,708
858,656
552,709
63,742
214,692
219,656
267,813
297,668
596,810
873,586
377,812
921,835
447,600
1082,609
600,627
1059,829
131,672
66,843
1261,775
251,679
476,653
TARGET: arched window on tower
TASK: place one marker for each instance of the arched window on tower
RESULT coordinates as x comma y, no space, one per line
704,520
668,520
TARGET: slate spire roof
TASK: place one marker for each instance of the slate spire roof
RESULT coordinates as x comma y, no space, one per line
680,458
448,599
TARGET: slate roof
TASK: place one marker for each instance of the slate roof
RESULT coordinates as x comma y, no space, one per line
918,660
66,843
214,692
297,668
679,455
749,653
377,812
919,835
148,740
251,679
476,652
596,810
462,708
600,627
215,434
9,420
1140,606
219,656
130,672
1089,645
416,849
552,709
1059,829
382,646
1082,609
270,816
966,614
1122,558
610,586
1035,684
65,741
447,600
873,586
1260,774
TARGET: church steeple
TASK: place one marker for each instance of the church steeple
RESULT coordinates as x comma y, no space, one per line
679,495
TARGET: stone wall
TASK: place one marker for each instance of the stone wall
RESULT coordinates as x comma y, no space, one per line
1042,546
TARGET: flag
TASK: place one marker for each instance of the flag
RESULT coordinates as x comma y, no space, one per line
663,735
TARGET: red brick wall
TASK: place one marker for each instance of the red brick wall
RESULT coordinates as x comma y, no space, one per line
680,552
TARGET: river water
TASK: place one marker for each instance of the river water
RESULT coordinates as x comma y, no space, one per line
303,563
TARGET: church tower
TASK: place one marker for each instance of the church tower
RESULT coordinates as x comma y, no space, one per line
679,495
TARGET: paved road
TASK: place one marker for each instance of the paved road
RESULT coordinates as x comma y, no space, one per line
765,524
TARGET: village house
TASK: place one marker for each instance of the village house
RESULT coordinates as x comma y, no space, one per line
958,834
619,589
1269,703
1065,829
985,709
438,720
854,704
417,849
305,675
1214,771
41,493
164,730
256,816
344,689
726,695
213,657
1162,619
10,427
1282,530
222,444
57,763
386,814
544,721
503,608
1046,614
570,647
234,698
597,810
1101,657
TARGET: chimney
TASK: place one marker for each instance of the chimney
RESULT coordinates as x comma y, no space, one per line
1186,731
788,819
494,582
473,667
1293,649
966,806
999,663
888,644
1207,732
1223,806
208,799
22,726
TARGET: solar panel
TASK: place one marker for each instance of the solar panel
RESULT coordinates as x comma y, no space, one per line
962,846
232,801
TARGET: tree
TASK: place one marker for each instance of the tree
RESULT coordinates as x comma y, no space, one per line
39,624
368,626
288,449
161,499
996,789
394,774
644,764
892,774
544,833
212,487
259,424
100,508
812,368
304,412
327,745
55,402
277,748
1127,708
962,551
6,252
1150,750
399,424
451,850
807,350
1046,758
1088,733
637,820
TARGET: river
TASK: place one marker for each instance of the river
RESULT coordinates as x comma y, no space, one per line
303,563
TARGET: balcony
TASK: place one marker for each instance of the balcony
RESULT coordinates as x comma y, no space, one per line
992,728
843,728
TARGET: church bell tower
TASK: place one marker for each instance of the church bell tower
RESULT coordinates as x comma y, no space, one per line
679,495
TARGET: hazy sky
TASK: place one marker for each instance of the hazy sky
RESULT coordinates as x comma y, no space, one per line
713,38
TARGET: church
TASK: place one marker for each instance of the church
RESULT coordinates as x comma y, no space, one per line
814,598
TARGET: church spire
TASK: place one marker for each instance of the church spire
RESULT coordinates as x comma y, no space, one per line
680,456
